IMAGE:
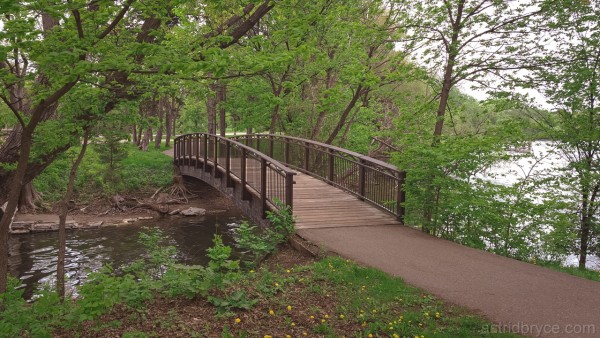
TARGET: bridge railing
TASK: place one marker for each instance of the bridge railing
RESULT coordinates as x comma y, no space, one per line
256,173
369,179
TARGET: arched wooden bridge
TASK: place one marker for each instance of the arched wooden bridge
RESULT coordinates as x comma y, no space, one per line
325,186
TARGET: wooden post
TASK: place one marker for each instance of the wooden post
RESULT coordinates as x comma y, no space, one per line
228,163
205,155
361,180
289,190
306,155
243,173
188,143
271,146
175,158
331,164
197,149
215,155
263,187
400,209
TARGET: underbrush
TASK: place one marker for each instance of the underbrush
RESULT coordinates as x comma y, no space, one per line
136,172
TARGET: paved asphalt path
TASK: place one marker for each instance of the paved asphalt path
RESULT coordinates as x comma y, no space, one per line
514,295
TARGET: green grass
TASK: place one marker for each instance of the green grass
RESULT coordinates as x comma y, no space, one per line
138,172
587,274
386,306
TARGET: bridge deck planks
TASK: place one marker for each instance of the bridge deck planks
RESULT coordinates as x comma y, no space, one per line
320,205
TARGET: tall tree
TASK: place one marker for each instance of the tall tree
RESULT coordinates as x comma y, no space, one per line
43,57
568,74
468,40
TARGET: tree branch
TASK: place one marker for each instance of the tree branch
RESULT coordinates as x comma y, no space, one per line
15,112
116,20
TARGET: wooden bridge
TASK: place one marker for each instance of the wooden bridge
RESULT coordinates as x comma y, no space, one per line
325,186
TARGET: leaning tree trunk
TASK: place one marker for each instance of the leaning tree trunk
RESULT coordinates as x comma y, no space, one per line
62,220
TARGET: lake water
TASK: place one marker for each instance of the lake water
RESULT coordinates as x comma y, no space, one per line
542,160
33,257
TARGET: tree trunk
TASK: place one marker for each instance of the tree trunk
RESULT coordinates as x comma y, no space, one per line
161,117
168,128
274,120
211,109
221,96
146,140
441,111
13,199
28,197
62,220
349,107
139,136
134,133
584,237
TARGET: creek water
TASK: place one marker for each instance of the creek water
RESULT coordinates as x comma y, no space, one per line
33,257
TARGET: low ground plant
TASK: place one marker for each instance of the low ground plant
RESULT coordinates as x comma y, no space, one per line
256,243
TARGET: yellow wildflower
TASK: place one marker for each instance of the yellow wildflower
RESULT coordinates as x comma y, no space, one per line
304,333
289,307
341,316
288,336
269,336
237,320
276,284
323,320
288,271
293,324
370,335
271,312
326,316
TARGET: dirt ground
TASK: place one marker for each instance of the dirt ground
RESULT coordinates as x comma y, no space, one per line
133,207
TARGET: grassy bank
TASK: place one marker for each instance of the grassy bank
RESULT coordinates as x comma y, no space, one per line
136,172
290,295
587,274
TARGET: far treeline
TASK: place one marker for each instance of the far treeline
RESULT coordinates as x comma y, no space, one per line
378,77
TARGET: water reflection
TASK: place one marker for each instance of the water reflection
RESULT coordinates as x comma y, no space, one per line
33,257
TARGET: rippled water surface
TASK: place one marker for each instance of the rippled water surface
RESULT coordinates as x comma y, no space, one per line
33,256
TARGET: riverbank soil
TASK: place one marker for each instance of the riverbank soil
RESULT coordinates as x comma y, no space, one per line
123,209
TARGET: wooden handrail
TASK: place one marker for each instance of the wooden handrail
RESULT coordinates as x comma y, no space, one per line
257,173
372,180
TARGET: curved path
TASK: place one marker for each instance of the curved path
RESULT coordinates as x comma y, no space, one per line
515,296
